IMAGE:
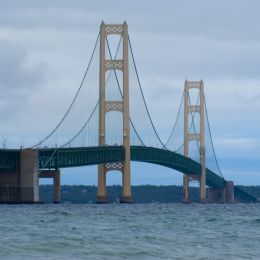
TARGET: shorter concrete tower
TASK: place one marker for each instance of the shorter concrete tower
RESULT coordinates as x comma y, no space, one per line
200,137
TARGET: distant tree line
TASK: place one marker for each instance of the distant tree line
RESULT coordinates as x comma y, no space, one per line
254,190
140,194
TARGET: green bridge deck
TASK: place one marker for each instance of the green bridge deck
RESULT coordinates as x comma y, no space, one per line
83,156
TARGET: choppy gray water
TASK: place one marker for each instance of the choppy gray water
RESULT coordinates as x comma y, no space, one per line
137,231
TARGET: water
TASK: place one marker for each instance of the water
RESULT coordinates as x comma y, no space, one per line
137,231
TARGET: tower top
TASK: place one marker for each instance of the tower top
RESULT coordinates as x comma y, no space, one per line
103,23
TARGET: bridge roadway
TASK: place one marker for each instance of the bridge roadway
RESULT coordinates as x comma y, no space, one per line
83,156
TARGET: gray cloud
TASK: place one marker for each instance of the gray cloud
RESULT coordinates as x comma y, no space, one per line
217,19
15,76
45,45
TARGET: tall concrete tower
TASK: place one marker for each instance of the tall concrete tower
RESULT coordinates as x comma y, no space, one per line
108,106
200,137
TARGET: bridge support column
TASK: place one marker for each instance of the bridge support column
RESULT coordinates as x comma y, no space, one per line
126,183
126,186
56,187
9,186
222,195
55,175
229,189
186,193
189,112
216,195
102,189
29,181
111,106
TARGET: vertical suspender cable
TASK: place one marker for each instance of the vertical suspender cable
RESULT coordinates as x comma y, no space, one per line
175,123
146,107
73,101
211,137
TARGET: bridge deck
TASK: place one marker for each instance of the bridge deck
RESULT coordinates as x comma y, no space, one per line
83,156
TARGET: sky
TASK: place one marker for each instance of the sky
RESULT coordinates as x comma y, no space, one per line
45,47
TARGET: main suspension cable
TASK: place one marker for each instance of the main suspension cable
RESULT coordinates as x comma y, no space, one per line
192,124
85,124
74,137
146,107
175,123
211,140
74,99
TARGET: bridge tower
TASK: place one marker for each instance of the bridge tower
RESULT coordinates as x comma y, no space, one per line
107,106
200,137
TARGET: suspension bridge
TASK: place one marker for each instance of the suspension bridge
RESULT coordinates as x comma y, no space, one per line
109,124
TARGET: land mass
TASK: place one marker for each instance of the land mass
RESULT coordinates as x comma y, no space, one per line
140,194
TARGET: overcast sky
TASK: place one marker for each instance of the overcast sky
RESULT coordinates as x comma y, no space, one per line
45,47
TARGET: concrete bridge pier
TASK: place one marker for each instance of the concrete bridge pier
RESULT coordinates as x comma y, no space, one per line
216,195
29,179
222,195
229,189
21,185
56,187
9,186
55,175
